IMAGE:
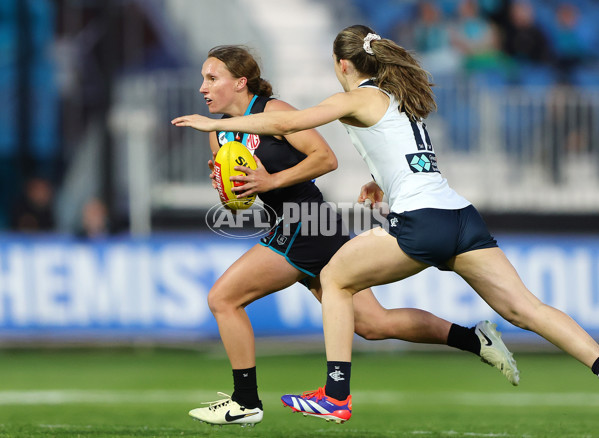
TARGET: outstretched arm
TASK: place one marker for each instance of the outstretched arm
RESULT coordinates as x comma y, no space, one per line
319,160
277,122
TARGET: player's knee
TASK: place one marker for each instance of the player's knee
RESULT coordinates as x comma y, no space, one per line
217,303
515,320
368,331
518,317
333,277
213,302
327,277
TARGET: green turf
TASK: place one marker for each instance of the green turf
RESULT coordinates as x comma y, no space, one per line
147,393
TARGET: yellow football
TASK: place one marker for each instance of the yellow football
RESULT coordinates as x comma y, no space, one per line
232,154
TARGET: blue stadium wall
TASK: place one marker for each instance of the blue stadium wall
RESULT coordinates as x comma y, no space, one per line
56,288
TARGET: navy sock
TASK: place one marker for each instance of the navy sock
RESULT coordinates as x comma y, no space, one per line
245,388
595,367
464,339
338,375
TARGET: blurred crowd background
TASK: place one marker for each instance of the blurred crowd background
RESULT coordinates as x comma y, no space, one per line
88,89
532,42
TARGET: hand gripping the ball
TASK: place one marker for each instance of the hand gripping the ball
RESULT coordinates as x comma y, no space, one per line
230,157
254,181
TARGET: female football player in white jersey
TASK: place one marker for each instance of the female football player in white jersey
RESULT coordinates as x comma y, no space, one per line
386,97
286,165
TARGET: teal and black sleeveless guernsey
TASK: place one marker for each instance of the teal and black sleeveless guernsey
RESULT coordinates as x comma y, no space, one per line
276,155
306,249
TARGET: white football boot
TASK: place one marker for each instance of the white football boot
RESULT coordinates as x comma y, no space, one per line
494,352
227,411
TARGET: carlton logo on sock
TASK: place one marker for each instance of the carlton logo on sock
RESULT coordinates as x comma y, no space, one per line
337,376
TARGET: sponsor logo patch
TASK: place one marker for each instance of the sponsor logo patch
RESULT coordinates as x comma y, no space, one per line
253,142
423,162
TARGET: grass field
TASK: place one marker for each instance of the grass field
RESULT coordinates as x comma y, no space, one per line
147,393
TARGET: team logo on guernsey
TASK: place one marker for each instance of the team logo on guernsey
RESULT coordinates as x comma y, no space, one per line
222,138
422,162
252,142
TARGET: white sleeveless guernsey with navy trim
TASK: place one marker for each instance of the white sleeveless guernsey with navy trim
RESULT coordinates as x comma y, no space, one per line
402,161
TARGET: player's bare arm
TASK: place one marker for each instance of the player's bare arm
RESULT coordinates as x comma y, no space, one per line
319,160
338,106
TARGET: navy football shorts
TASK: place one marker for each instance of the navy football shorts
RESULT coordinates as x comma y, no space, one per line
434,236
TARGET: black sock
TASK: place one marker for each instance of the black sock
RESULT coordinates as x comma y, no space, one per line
338,375
464,339
595,367
245,388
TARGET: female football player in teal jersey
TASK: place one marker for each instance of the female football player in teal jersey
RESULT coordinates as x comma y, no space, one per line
286,168
385,99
